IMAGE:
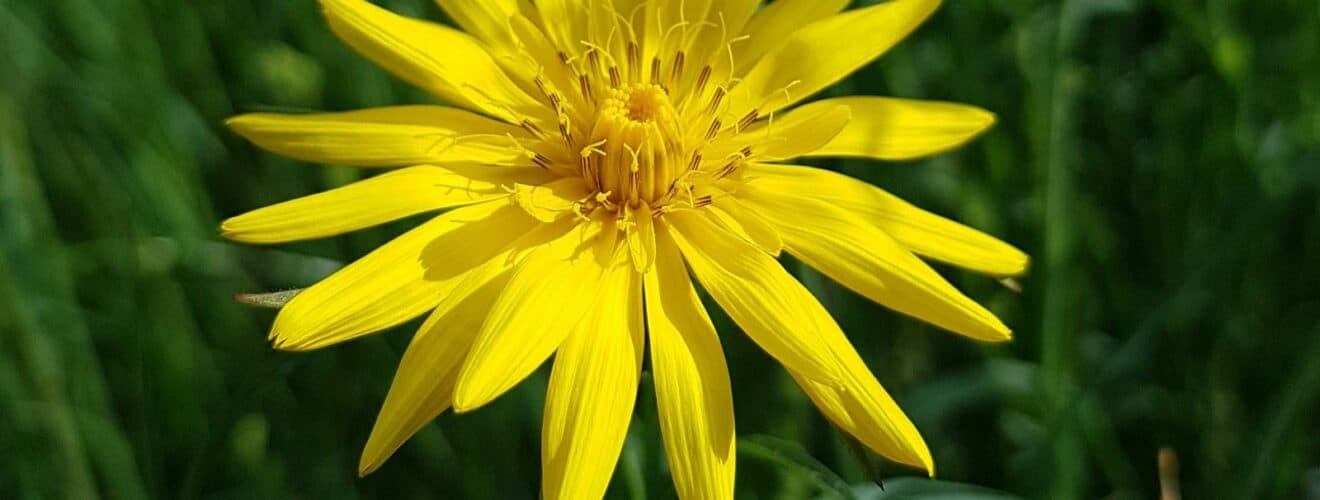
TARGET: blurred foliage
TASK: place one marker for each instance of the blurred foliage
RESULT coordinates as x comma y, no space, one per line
1160,160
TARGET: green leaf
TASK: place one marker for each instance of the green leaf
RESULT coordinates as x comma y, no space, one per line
911,488
795,460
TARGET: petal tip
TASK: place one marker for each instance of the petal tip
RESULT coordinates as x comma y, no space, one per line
1025,267
234,122
989,120
244,125
283,344
369,462
466,398
228,230
291,334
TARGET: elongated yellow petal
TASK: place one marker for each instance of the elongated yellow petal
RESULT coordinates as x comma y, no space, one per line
488,20
863,409
819,54
735,217
868,261
901,129
769,29
385,137
536,46
399,280
445,62
691,382
793,135
922,232
552,200
548,294
424,382
776,311
593,387
371,202
641,237
853,398
723,21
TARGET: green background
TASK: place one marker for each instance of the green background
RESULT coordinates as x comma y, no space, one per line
1160,160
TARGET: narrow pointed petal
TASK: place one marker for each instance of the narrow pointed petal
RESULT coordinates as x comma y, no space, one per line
641,237
553,200
920,231
724,21
399,280
547,296
386,137
734,216
901,129
853,399
446,62
562,22
424,382
488,20
371,202
691,382
793,135
865,410
769,28
534,44
593,388
776,311
823,52
868,261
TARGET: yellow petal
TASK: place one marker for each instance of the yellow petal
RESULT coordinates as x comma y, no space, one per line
371,202
552,200
385,137
445,62
543,55
593,387
776,311
641,236
564,23
723,21
868,261
922,232
691,382
488,20
823,52
781,138
703,31
902,129
548,294
424,382
863,409
735,217
399,280
768,29
851,397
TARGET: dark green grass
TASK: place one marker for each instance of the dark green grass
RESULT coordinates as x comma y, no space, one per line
1160,160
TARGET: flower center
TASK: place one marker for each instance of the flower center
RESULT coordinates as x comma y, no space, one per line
636,149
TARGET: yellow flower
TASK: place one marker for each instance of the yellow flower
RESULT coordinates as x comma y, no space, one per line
598,152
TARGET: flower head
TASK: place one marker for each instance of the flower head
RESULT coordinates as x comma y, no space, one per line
598,154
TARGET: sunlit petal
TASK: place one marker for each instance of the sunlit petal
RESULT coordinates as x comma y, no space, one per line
920,231
824,52
593,387
691,382
870,262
